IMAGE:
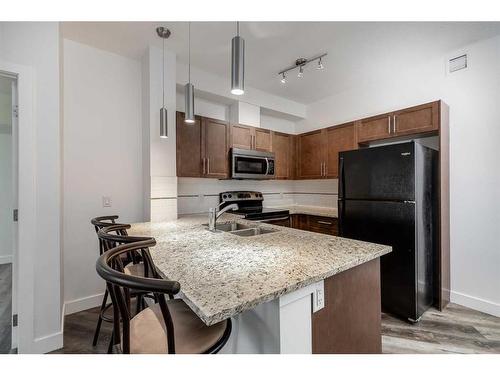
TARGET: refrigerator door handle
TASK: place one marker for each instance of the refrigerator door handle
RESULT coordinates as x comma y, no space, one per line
341,217
341,178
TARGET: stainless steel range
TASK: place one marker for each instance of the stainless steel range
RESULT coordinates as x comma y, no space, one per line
250,206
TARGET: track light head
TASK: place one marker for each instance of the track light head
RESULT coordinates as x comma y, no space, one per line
301,71
283,78
320,65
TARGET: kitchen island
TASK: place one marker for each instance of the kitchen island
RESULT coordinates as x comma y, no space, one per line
287,291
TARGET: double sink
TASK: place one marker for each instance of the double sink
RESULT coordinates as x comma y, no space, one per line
241,229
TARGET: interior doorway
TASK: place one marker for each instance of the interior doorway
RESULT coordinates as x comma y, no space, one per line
8,212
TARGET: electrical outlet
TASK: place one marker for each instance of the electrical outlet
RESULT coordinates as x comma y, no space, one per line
106,201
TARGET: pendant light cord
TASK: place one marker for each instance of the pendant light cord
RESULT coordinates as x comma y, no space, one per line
189,52
163,75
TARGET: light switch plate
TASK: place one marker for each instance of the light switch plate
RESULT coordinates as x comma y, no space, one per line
106,201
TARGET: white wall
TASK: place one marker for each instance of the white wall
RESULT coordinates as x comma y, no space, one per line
102,157
6,195
473,96
36,45
203,107
277,124
159,165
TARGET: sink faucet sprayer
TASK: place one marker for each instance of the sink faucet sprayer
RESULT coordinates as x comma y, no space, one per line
214,213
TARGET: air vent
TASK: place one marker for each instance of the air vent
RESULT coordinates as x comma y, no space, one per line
457,63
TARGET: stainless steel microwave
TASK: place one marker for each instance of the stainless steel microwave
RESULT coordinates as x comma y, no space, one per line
251,164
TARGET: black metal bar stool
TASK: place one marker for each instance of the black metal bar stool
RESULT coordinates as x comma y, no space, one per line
168,326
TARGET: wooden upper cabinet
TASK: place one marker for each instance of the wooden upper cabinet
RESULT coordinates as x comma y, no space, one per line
215,147
188,145
419,119
242,137
311,150
339,138
282,146
250,138
374,128
262,139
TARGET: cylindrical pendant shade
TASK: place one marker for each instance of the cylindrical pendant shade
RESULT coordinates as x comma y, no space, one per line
189,100
163,123
238,66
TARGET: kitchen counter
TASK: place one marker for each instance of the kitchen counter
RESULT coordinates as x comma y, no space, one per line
222,274
310,210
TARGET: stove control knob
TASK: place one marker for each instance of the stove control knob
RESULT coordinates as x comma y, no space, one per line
230,195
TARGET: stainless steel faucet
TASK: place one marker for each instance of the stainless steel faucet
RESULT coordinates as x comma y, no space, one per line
214,213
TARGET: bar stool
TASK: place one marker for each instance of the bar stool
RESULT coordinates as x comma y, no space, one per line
168,326
135,268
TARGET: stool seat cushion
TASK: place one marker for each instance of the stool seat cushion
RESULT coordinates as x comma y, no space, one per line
148,332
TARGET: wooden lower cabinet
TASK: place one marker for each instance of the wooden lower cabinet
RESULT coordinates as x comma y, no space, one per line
317,224
350,322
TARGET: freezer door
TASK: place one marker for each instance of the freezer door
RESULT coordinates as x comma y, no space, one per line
393,224
378,173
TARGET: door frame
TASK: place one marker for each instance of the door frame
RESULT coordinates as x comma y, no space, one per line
24,252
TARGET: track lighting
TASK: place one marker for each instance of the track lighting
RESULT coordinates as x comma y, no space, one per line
300,64
320,65
283,78
301,71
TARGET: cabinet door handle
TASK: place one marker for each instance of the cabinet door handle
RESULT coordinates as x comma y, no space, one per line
324,222
321,169
394,124
203,163
389,124
208,165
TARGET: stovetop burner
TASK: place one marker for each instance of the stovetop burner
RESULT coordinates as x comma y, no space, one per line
250,205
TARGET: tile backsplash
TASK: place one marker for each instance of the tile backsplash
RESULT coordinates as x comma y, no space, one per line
197,195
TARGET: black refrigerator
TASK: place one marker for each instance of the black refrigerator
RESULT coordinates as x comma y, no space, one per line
388,195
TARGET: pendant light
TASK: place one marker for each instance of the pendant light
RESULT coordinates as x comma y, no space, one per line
163,33
238,63
189,88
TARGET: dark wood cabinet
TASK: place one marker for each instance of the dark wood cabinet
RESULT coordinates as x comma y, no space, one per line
202,147
188,146
338,138
241,137
215,148
311,154
375,128
250,138
317,224
282,146
418,120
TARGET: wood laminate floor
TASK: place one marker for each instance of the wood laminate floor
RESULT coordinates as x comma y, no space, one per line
5,307
457,329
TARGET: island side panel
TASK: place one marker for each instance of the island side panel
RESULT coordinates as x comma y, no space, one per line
350,322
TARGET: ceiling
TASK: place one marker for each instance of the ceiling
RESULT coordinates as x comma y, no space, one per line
357,51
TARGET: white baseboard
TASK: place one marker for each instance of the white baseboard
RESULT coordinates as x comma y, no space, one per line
48,343
81,304
4,259
488,307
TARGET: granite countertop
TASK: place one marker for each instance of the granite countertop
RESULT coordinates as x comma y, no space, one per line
222,274
310,210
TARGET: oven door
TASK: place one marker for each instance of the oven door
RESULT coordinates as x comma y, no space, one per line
246,166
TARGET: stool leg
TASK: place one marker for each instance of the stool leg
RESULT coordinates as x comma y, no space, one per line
111,342
99,321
